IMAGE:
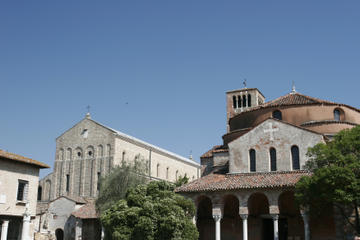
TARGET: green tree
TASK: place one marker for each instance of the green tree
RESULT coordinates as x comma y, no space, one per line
181,181
151,212
336,177
114,186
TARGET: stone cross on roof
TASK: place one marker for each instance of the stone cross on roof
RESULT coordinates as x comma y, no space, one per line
271,130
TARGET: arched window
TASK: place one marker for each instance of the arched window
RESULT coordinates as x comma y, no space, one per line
249,100
167,173
157,170
337,114
244,100
78,153
90,152
277,114
239,102
123,156
252,155
69,154
67,182
295,157
234,102
176,174
272,159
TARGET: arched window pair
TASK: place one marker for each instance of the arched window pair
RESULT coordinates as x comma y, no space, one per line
252,154
273,159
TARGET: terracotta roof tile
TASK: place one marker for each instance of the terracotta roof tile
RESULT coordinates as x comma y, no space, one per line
217,148
295,99
88,211
19,158
220,182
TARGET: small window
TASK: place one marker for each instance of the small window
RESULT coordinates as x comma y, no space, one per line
337,114
273,166
39,196
157,170
90,153
252,155
79,154
295,157
249,100
98,181
67,182
277,114
22,192
123,156
239,102
167,173
84,133
244,100
234,101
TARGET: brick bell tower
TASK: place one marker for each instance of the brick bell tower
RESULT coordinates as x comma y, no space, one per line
241,100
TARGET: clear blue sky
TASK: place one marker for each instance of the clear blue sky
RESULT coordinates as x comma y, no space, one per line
171,61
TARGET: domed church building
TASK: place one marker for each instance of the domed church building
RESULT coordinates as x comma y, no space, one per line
247,186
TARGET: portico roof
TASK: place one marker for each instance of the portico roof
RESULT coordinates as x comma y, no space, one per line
220,182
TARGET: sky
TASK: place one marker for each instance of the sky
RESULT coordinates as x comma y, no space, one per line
159,70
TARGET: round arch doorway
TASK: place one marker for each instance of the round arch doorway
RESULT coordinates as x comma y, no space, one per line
59,233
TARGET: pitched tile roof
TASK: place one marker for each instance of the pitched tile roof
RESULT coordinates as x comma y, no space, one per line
19,158
220,182
217,148
88,211
291,99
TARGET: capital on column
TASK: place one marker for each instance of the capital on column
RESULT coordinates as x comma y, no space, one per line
244,216
217,217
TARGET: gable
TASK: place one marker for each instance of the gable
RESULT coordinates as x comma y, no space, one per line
271,134
87,133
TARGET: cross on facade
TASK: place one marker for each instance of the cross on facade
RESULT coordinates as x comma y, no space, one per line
244,82
271,130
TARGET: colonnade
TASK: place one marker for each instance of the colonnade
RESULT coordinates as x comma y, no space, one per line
275,217
218,202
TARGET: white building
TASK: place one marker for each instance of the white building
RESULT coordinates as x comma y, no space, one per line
19,178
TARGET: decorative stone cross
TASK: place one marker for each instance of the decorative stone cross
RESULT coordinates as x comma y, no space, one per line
271,130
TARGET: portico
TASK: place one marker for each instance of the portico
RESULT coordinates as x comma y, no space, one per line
259,208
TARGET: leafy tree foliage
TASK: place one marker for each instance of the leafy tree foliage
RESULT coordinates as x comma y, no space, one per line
151,212
181,181
114,186
336,177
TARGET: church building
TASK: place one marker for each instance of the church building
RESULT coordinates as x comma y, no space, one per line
247,186
85,153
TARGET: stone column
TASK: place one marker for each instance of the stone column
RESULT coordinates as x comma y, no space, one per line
217,219
244,218
26,224
78,229
306,225
276,226
102,233
4,229
217,213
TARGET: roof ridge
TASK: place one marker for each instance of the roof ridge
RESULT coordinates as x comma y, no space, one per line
119,133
